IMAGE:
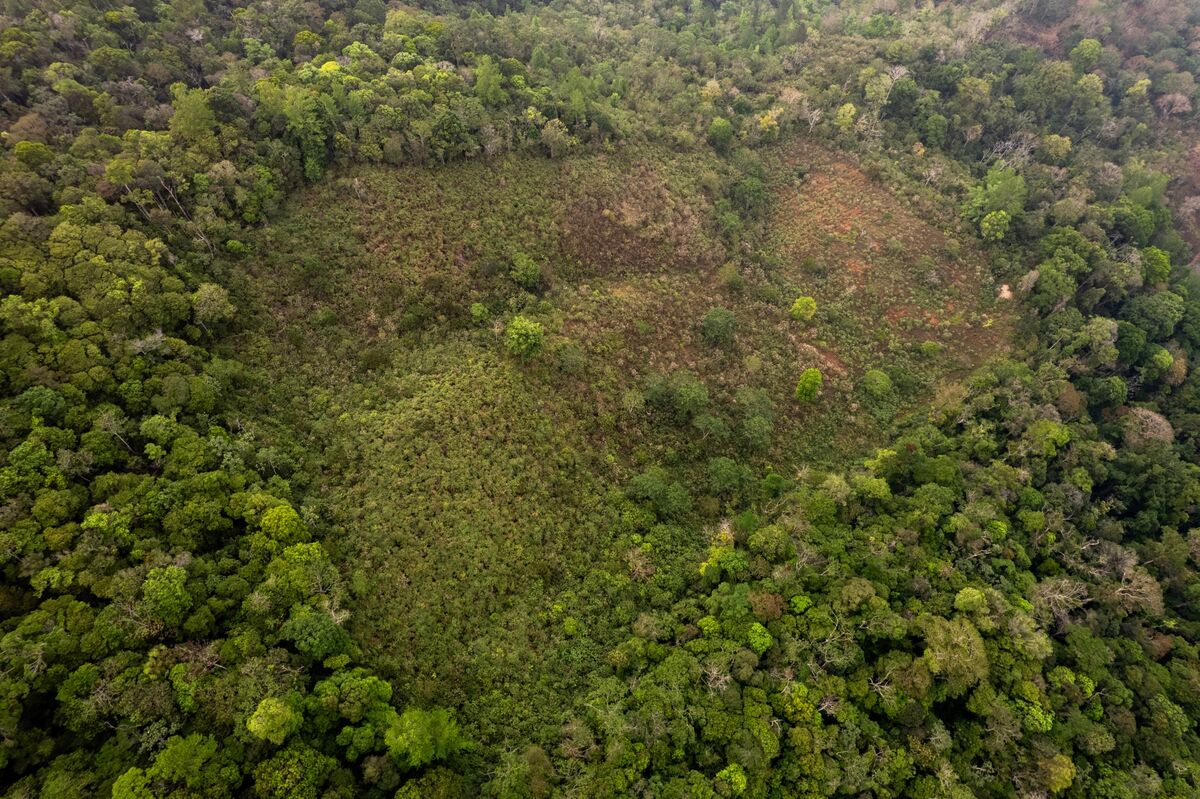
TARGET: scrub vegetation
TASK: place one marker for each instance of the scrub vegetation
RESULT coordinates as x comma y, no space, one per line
771,399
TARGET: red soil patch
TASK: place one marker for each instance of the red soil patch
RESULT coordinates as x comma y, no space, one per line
856,267
831,361
640,225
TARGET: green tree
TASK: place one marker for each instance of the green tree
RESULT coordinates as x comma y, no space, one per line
1085,55
751,195
1055,147
165,593
845,117
1158,313
1002,189
954,651
809,385
307,117
192,122
1156,266
197,762
759,638
489,82
557,138
283,525
524,337
970,600
420,737
682,393
274,720
731,780
667,498
316,634
728,478
297,772
803,309
211,305
720,133
994,226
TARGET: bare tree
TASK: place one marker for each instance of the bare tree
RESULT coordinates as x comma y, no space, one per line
810,114
1059,597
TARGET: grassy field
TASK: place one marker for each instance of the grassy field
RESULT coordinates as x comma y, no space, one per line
476,501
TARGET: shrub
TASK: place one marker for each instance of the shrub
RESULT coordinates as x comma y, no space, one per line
668,499
730,277
728,478
804,309
681,393
711,428
757,432
809,385
570,359
632,401
750,194
755,402
813,266
718,326
524,337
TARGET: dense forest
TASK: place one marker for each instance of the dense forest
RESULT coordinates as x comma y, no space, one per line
766,398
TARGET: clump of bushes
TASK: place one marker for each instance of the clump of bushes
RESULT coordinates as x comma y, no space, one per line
718,327
525,272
